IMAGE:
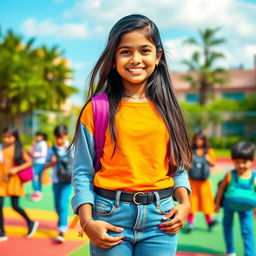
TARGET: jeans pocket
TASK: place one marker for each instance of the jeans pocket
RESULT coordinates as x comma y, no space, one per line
103,206
165,205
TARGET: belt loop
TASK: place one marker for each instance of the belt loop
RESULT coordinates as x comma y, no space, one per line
157,199
117,198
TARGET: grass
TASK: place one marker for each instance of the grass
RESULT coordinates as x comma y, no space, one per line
222,152
199,240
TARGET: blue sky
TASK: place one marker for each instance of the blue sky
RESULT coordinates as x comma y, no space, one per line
80,27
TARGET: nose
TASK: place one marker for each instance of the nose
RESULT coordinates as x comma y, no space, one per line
136,58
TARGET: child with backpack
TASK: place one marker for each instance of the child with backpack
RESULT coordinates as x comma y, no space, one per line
126,202
13,159
202,198
237,192
62,161
38,151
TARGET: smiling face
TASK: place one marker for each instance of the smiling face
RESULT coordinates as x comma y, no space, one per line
135,59
199,142
8,139
242,165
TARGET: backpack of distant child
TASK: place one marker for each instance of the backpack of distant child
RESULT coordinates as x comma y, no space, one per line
200,169
241,195
64,166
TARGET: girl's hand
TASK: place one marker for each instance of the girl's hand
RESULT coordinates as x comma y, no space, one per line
13,170
96,230
208,158
179,216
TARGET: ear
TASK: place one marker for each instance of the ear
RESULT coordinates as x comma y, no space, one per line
114,64
158,57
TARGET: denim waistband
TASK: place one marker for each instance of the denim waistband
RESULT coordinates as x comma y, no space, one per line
135,197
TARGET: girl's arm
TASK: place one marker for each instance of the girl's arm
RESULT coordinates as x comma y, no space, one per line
27,163
178,214
51,159
210,157
83,169
83,200
51,163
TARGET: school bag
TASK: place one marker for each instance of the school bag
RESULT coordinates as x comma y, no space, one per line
200,169
64,166
100,107
241,196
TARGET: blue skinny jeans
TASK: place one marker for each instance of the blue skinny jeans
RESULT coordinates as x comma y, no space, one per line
141,227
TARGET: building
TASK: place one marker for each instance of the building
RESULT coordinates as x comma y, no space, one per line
241,83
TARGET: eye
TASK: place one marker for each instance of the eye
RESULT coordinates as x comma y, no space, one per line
145,50
124,52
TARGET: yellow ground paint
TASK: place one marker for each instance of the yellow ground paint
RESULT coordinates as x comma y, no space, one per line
71,235
43,215
34,214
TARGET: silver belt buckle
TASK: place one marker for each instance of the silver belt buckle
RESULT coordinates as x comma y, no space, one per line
134,197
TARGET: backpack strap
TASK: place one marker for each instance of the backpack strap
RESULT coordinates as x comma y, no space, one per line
100,107
252,179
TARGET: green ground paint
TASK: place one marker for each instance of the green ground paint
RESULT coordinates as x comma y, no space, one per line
199,240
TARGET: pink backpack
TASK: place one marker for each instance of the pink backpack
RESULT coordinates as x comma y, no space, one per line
100,107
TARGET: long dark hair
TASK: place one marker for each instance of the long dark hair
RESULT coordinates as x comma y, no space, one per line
18,153
159,87
203,137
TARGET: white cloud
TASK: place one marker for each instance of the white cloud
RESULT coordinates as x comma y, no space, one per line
236,54
32,27
95,18
235,15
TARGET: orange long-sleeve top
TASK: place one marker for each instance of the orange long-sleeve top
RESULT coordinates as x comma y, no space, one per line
140,162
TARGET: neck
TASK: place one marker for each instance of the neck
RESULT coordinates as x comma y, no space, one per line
135,97
135,93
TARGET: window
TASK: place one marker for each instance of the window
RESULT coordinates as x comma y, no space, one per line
192,98
234,95
233,128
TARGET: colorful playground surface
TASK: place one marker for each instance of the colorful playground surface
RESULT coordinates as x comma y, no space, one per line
200,242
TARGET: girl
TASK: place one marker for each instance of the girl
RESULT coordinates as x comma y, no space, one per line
127,207
61,190
38,152
13,159
202,198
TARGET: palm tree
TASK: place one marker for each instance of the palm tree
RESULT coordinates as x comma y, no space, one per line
56,74
203,72
31,78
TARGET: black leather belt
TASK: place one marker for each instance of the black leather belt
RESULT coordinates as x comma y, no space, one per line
136,198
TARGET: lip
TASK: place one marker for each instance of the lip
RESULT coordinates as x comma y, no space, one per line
136,70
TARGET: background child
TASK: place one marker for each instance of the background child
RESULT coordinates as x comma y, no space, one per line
242,155
202,198
38,152
61,190
127,208
13,159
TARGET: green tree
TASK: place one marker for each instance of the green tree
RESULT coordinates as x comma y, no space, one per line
31,78
203,73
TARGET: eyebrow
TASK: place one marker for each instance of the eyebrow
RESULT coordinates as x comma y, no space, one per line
128,47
